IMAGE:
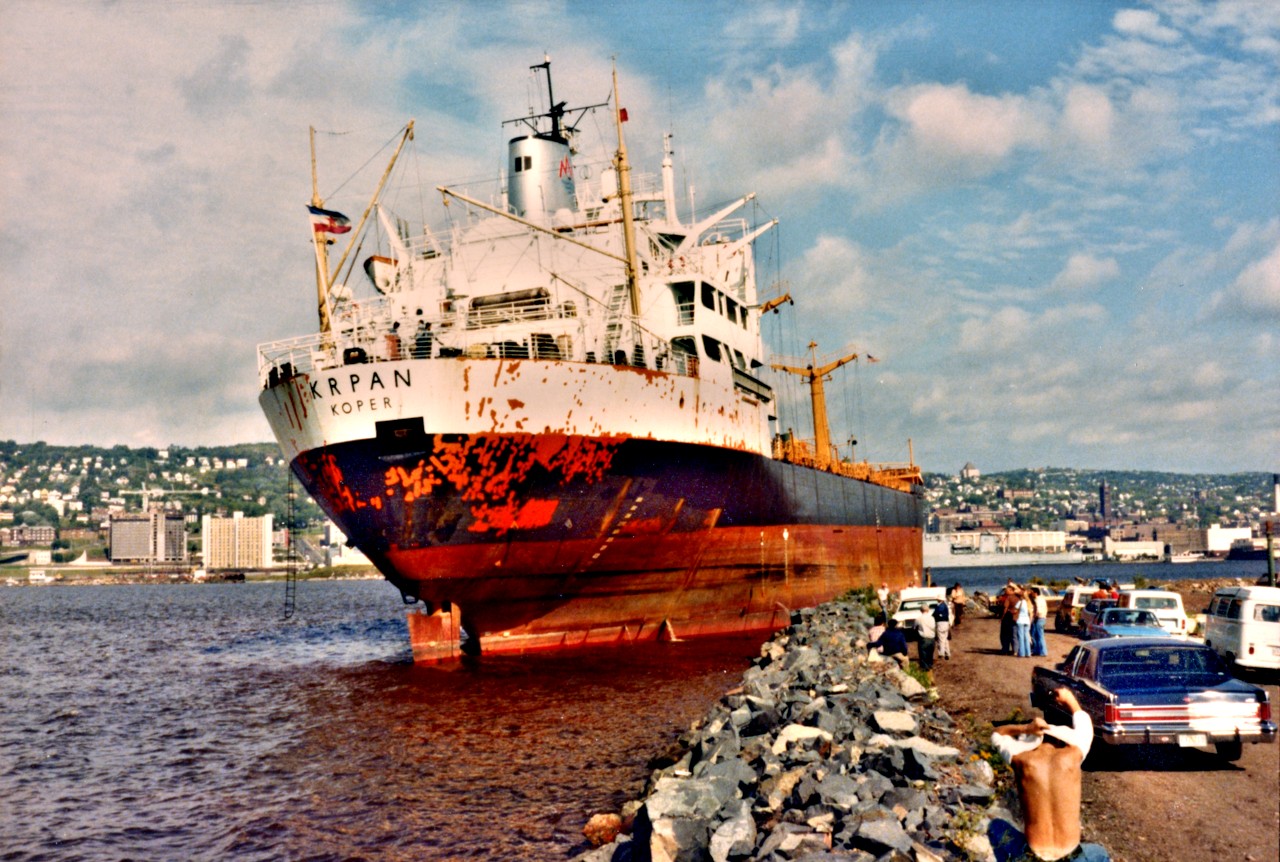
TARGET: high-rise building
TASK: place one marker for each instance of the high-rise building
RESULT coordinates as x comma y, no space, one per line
149,537
236,542
1104,501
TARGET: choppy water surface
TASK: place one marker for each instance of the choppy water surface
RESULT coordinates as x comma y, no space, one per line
192,722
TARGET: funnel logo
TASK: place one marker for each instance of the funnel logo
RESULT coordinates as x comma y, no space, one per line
566,168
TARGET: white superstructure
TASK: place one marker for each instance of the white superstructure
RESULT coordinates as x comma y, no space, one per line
541,282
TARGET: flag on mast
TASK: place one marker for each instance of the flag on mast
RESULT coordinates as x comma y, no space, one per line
328,221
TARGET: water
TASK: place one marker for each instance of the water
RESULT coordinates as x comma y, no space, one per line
991,579
191,721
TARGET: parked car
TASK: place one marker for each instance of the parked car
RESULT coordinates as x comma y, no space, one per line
1243,626
1067,617
1157,691
1090,612
1125,622
914,602
1165,604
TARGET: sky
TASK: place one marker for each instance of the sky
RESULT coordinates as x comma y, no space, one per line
1055,224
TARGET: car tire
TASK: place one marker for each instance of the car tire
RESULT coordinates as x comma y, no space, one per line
1230,751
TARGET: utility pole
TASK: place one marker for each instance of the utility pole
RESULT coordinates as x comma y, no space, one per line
1271,555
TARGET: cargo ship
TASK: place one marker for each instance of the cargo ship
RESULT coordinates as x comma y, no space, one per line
551,421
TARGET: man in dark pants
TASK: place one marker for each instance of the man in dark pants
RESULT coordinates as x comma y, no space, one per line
1008,614
927,630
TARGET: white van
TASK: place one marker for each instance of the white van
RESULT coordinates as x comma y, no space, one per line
1165,604
1243,625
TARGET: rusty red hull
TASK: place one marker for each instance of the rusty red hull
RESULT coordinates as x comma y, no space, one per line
542,541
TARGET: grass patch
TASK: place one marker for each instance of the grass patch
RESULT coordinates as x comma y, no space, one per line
919,675
864,596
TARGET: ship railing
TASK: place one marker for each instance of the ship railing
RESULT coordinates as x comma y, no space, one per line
518,312
369,330
281,360
684,364
803,452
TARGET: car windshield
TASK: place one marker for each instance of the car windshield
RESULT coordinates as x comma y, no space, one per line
1125,617
917,604
1156,602
1158,666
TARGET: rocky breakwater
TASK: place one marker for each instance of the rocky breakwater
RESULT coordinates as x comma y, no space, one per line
818,755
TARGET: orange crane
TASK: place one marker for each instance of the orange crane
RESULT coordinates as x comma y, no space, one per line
815,377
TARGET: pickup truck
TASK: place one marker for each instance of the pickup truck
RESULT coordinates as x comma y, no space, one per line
1157,691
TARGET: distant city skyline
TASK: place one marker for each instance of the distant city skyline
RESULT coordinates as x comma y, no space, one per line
1053,223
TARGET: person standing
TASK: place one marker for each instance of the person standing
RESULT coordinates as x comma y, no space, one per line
957,605
942,622
927,629
1008,605
1040,612
1022,623
883,595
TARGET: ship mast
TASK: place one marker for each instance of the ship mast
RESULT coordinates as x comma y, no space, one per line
322,247
324,282
623,168
815,377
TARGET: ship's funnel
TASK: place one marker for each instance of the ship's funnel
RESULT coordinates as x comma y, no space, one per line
540,176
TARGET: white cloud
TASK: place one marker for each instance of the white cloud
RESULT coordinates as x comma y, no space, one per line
1085,272
971,131
780,24
1011,329
1144,24
1256,290
784,131
1088,117
835,275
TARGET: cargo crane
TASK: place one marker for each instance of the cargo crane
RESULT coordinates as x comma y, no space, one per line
815,376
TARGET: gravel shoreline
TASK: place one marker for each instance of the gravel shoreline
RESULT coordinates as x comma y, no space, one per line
818,754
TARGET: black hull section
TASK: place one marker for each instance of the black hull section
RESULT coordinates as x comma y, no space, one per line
446,490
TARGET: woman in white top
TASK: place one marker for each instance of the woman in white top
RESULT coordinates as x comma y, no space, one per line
1022,626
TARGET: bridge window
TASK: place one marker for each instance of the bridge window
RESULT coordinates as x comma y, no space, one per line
682,293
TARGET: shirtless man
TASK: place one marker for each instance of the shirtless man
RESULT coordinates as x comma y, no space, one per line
1046,762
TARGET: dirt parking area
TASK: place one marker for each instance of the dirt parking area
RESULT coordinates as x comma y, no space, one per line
1143,805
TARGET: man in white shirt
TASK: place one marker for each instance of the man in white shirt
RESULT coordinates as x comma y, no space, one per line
1046,762
927,634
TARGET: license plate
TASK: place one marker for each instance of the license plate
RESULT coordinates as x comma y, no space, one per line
1192,740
